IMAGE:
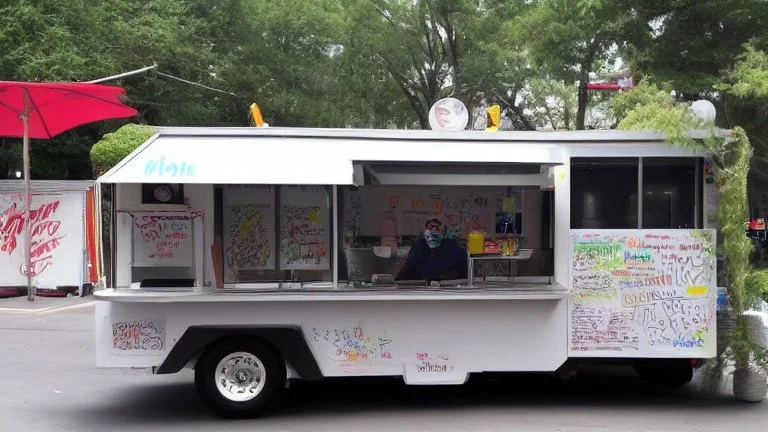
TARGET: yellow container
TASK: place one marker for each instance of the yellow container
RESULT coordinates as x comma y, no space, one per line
476,242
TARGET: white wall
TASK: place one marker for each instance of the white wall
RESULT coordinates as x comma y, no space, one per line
467,335
562,223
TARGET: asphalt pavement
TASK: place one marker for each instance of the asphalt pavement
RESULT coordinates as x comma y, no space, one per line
48,382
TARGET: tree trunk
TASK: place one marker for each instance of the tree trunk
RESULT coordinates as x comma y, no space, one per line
522,123
581,111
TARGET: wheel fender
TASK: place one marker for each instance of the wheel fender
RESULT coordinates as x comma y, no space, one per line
287,341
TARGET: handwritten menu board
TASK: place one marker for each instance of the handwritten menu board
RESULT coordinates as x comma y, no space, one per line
305,228
370,211
162,240
642,293
249,228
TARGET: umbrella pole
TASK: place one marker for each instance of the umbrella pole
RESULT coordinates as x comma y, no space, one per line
28,199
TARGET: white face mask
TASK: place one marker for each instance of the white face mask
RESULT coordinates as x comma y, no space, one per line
432,238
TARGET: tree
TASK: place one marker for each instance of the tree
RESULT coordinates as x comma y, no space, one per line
550,104
745,98
77,41
688,43
568,39
422,55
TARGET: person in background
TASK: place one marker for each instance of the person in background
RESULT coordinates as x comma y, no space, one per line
435,257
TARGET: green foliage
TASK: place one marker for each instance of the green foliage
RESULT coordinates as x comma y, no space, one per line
745,100
689,44
757,281
750,75
550,103
378,63
732,155
643,94
566,40
732,212
115,146
673,121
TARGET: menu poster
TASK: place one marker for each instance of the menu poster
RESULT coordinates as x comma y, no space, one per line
162,240
305,228
249,229
642,293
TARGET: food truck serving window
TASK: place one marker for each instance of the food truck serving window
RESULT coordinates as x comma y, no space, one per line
418,234
272,233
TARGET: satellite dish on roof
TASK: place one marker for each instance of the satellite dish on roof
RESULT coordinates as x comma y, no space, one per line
448,114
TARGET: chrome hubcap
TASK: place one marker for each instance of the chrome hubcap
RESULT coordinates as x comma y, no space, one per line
240,376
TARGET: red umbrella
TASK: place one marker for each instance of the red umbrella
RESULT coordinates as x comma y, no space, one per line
44,110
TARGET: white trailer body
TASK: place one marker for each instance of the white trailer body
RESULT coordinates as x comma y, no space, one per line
631,293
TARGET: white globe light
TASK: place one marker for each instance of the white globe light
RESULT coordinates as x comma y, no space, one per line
704,110
448,114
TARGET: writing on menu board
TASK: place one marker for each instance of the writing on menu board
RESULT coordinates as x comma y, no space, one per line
639,291
164,237
250,244
461,210
304,236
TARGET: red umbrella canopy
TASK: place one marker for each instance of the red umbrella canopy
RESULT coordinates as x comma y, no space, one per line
53,108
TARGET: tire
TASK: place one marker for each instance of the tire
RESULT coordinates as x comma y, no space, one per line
219,369
673,375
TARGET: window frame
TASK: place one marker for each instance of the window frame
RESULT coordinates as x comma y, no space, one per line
698,180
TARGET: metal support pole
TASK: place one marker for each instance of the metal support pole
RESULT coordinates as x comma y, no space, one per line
335,234
697,193
640,193
28,207
122,75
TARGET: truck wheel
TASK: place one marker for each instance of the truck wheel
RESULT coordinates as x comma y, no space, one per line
239,378
673,375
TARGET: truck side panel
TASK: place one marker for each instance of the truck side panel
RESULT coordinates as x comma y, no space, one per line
424,341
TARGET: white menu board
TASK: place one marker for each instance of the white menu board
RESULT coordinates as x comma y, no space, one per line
304,228
642,293
162,240
249,228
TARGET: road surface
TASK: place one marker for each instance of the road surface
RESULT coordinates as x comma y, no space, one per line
48,382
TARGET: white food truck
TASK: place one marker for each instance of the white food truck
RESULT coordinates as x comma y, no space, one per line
262,255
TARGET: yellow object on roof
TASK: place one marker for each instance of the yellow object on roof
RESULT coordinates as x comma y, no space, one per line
256,115
493,117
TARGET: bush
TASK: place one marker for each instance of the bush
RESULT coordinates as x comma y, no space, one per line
114,147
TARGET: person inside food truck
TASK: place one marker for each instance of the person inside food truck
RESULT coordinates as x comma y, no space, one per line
436,256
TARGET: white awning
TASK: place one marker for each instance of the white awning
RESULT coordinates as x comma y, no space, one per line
237,160
263,158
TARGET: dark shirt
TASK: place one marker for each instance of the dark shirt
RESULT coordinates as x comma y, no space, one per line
448,261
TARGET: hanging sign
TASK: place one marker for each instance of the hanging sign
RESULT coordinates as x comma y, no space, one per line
162,240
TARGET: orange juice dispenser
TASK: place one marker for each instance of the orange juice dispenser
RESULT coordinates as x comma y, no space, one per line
476,242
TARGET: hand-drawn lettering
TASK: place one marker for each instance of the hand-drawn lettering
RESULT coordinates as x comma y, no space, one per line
43,229
303,236
140,335
164,235
352,345
249,244
663,283
172,169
